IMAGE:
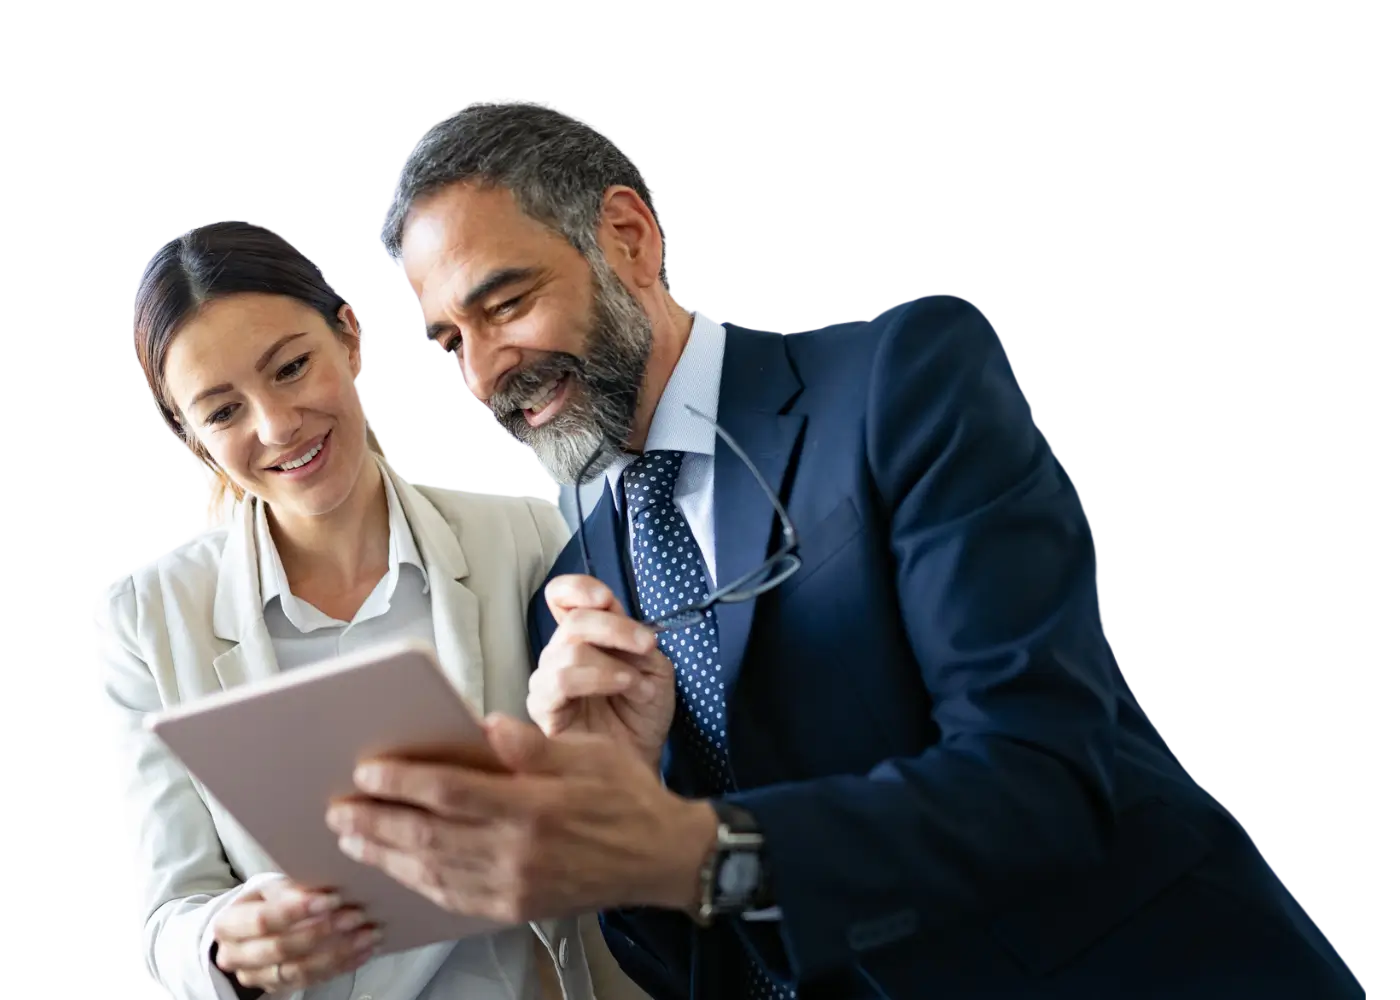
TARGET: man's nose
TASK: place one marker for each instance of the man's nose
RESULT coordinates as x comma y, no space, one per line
484,364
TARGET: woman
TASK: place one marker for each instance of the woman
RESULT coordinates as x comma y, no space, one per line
252,359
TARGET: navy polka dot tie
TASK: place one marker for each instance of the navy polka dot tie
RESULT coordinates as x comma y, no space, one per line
670,574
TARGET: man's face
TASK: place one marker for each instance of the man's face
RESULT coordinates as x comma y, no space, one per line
550,339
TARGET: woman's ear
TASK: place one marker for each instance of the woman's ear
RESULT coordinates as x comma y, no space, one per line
350,335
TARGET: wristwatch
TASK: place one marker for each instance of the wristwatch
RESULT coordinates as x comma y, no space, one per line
732,880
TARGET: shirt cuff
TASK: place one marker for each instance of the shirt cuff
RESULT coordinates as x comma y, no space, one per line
769,913
221,986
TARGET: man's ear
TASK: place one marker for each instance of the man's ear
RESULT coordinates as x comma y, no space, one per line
630,237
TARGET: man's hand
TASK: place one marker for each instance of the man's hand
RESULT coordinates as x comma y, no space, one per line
578,824
602,672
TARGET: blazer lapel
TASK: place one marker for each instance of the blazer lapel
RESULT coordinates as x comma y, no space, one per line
456,615
238,613
456,618
757,387
457,634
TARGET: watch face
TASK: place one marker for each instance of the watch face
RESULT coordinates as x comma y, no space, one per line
738,875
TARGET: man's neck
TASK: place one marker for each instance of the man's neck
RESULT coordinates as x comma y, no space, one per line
670,331
342,548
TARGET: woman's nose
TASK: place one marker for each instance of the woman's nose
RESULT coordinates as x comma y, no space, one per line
278,424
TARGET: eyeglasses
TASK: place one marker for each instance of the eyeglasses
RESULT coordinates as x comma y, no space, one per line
774,570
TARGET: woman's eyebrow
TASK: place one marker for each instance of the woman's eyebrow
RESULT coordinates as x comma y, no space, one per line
267,355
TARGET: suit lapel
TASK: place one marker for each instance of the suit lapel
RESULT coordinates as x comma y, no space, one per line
456,613
607,549
457,635
238,619
758,385
457,625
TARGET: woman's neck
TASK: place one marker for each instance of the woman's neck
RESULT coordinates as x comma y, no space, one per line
340,551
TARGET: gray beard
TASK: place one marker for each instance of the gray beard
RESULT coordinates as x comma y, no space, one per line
608,379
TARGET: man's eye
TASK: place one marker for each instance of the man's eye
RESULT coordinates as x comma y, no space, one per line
506,308
452,344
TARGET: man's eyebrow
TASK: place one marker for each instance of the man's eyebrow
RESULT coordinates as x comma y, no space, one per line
493,282
262,363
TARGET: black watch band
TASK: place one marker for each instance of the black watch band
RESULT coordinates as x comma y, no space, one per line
733,879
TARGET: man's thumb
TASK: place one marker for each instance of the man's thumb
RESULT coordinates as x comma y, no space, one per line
519,745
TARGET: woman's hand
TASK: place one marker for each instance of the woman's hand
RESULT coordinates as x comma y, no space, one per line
284,937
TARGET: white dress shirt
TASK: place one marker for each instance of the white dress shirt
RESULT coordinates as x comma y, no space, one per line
694,382
399,607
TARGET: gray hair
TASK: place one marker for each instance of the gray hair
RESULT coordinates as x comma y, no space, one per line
556,167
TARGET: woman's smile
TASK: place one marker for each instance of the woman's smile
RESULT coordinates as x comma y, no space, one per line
303,461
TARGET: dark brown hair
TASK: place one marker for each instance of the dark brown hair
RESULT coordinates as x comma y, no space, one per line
226,258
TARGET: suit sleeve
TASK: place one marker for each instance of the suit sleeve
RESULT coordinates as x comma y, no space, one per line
185,880
995,577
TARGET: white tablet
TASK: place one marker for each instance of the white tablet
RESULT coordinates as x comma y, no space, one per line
277,752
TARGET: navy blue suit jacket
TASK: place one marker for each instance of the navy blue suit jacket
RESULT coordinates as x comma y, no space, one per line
959,794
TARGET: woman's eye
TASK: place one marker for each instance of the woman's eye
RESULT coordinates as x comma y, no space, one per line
293,368
221,415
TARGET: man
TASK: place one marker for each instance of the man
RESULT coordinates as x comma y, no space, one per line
899,759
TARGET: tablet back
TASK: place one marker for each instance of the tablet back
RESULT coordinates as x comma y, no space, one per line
276,753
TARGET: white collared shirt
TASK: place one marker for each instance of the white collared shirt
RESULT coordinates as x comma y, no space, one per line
398,608
694,382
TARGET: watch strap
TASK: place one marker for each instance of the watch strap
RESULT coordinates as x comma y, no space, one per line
738,833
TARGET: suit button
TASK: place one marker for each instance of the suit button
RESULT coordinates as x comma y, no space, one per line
564,954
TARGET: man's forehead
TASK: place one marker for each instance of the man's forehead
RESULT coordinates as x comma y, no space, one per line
445,285
465,218
460,236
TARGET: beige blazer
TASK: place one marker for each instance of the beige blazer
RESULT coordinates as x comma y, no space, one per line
192,624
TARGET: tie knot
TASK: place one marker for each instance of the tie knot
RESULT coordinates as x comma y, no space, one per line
651,479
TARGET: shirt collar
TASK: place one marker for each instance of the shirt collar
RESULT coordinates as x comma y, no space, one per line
272,575
693,382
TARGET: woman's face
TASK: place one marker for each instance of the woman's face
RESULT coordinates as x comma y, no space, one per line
268,388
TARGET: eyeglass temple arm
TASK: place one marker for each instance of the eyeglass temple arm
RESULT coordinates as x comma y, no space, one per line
789,532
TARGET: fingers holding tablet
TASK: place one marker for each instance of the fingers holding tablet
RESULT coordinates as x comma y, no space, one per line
284,936
327,718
